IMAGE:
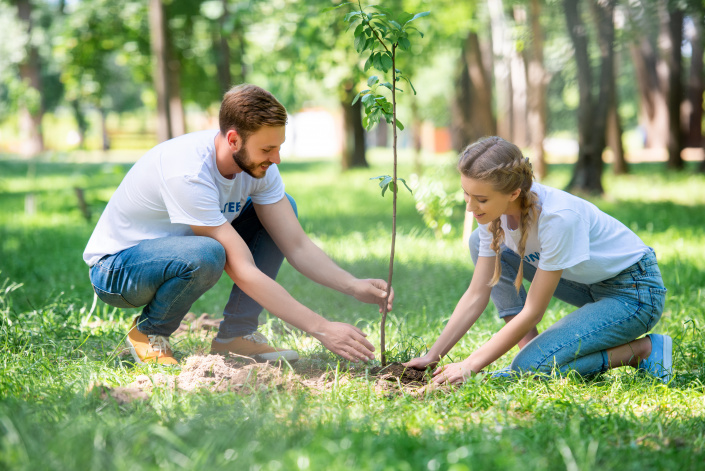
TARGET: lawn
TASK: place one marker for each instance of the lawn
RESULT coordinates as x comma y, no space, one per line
62,360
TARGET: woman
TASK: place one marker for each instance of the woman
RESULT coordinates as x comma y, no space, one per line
567,248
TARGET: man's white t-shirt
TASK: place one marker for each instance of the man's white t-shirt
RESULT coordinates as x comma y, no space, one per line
572,235
172,187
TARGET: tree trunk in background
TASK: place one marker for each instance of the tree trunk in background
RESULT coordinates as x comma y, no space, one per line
353,132
382,133
158,41
222,51
30,114
614,125
696,87
502,47
536,83
81,123
471,110
672,27
614,140
176,107
592,113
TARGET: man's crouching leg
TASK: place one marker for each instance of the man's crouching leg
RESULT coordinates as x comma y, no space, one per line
166,276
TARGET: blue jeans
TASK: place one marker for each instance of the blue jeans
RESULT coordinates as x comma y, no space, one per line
610,313
167,275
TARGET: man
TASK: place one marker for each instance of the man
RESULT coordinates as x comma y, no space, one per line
206,202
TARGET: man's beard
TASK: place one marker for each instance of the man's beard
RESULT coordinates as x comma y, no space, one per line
242,159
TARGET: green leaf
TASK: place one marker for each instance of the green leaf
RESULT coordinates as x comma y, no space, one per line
387,84
369,62
404,43
360,43
418,15
395,24
407,186
379,177
372,80
359,30
399,125
367,99
385,181
386,61
357,97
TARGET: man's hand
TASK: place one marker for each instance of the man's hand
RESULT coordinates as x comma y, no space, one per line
453,373
345,340
372,292
421,363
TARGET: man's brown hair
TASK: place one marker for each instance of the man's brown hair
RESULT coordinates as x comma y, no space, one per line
247,108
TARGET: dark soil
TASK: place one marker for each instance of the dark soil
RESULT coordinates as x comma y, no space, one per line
396,371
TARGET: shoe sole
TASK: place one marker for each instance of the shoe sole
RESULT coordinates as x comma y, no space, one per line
667,363
137,358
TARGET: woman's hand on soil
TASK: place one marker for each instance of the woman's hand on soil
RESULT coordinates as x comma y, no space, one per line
345,340
453,373
373,292
421,363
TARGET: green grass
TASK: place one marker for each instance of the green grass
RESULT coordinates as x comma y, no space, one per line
52,349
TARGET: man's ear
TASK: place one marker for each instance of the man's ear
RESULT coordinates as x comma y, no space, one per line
234,140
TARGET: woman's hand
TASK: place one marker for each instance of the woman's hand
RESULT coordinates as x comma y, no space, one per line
421,363
453,373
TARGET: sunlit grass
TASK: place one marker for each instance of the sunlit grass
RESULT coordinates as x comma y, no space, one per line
52,349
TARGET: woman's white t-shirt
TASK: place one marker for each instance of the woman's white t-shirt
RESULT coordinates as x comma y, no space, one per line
572,235
172,187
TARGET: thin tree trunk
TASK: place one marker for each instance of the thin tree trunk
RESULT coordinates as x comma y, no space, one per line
158,40
536,82
696,87
104,129
30,113
222,51
672,52
502,48
354,132
614,141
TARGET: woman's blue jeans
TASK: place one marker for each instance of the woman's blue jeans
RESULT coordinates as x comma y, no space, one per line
167,275
610,313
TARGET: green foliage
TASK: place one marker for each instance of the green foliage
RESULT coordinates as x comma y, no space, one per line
436,204
379,34
387,182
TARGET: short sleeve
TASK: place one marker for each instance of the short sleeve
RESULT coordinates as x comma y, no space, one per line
191,200
565,240
485,241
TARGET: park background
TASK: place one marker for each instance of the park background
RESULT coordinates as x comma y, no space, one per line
604,96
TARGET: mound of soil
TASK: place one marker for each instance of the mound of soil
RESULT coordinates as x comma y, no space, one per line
198,325
396,371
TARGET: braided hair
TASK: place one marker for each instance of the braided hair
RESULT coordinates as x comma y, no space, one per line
502,164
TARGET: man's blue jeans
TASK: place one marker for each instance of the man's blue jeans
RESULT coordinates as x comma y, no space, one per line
167,275
610,313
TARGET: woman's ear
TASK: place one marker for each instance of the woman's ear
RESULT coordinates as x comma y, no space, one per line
515,194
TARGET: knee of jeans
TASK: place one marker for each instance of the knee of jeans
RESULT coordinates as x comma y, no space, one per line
209,259
474,244
528,361
293,204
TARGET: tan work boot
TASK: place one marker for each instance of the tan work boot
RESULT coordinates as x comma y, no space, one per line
255,346
149,348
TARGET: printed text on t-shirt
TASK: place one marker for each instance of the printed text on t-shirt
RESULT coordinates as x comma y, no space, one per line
532,257
231,207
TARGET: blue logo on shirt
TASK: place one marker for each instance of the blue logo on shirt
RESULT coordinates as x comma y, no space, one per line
231,207
532,257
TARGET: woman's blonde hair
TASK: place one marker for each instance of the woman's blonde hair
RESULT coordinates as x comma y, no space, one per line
501,164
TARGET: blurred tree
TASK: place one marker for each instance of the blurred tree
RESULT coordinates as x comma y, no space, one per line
657,34
31,109
593,108
104,55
